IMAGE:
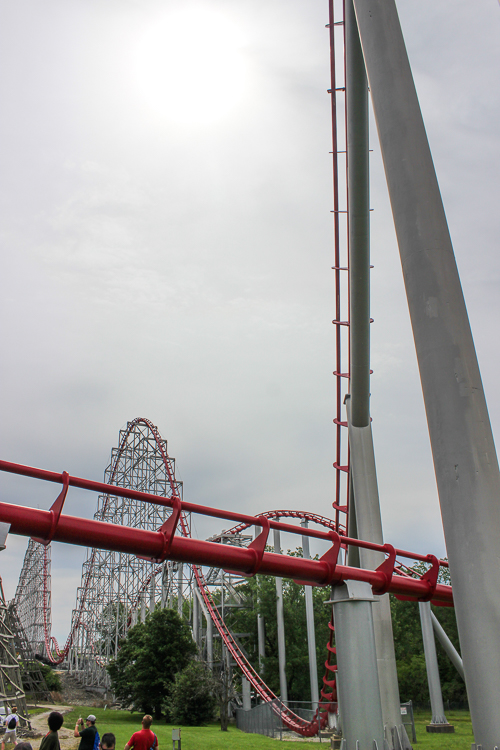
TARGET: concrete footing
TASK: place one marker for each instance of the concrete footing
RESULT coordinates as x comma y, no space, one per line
440,728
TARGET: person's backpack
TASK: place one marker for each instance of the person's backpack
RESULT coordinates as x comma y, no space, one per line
155,742
97,739
12,723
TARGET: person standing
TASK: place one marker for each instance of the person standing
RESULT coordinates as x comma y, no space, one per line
11,724
108,741
51,739
87,733
145,739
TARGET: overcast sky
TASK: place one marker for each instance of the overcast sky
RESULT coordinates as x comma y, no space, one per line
167,242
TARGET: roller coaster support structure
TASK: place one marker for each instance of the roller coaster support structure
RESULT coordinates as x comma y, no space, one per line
463,448
364,499
359,699
311,635
439,722
280,621
448,646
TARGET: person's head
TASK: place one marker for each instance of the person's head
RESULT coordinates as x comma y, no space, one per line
90,719
14,709
147,721
55,721
24,746
108,741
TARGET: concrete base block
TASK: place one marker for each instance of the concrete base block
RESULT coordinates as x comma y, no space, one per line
440,728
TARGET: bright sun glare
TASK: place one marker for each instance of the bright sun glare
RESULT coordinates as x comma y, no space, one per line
190,66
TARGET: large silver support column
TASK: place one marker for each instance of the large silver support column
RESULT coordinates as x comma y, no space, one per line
245,690
180,580
463,449
152,592
164,585
196,616
364,507
358,686
359,221
143,607
369,521
311,634
210,640
448,646
431,664
210,633
261,631
261,639
281,625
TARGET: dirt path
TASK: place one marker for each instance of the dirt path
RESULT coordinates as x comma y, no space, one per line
39,725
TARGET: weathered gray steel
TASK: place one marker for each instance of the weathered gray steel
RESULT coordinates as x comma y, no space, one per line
448,646
311,634
280,626
364,480
431,664
359,700
463,449
359,220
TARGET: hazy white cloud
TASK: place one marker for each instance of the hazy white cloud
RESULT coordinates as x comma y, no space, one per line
181,271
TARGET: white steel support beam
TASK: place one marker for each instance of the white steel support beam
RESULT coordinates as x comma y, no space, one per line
448,646
281,625
311,634
431,664
463,449
369,521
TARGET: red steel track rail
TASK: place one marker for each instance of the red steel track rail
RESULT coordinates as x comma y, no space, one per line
166,544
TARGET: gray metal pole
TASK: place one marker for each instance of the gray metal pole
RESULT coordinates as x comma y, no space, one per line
448,646
261,638
261,632
152,592
369,522
164,585
359,220
245,690
431,664
180,577
281,625
463,449
196,617
208,619
364,507
210,641
358,685
311,634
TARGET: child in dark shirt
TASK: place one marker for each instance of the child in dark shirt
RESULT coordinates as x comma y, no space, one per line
51,739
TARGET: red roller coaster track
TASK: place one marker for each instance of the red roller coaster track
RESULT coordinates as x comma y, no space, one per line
166,544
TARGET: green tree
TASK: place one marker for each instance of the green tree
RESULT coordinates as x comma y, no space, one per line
192,700
149,658
409,647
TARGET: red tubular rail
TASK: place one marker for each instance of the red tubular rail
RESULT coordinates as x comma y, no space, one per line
153,544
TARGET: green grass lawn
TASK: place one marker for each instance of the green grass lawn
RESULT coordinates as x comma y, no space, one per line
460,740
123,724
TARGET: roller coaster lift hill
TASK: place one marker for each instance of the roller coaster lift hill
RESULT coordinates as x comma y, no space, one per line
359,567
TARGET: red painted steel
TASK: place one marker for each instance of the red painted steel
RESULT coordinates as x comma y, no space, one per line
81,531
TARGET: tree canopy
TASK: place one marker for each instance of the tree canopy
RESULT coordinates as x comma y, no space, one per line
260,592
149,658
192,700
